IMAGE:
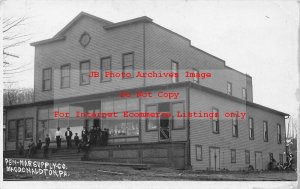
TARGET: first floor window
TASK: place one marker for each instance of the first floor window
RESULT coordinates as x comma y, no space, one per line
12,130
215,121
178,123
233,156
28,128
281,158
198,152
247,156
151,122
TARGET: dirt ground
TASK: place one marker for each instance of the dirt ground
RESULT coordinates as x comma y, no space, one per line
79,171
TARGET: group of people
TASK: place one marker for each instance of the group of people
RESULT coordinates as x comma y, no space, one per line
93,137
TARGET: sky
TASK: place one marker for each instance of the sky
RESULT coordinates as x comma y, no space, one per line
259,38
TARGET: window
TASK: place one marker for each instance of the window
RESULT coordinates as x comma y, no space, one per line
65,76
105,67
229,88
233,156
215,121
28,128
251,129
235,127
12,130
244,94
198,152
128,64
84,73
247,157
178,123
281,159
174,68
47,79
278,134
195,78
151,122
265,125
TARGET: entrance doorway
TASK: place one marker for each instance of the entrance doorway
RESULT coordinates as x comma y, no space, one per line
164,122
258,161
214,158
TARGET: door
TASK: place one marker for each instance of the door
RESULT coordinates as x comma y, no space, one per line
214,159
20,133
258,160
164,122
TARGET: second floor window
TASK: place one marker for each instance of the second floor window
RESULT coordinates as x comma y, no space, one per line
65,76
251,129
278,134
235,127
195,78
265,125
215,121
244,94
84,73
105,67
128,64
229,88
47,79
174,69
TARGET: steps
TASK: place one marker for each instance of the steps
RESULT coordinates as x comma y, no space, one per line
65,154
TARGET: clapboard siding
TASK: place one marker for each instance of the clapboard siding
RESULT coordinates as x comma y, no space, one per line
201,133
103,43
162,46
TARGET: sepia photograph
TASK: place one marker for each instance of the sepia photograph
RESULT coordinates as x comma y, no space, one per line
191,93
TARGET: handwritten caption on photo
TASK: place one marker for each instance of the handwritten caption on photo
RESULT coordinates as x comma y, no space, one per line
36,167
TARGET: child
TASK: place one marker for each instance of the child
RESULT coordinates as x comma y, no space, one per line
76,139
39,145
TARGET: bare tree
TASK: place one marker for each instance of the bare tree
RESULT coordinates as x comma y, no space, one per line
13,96
13,36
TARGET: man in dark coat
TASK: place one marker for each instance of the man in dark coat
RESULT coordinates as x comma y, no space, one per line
47,140
84,135
93,136
68,135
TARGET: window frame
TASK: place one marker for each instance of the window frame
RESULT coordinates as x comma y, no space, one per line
25,129
9,139
171,109
279,138
196,151
80,72
101,69
229,92
175,79
61,76
249,128
247,157
146,119
233,160
217,122
43,79
265,137
123,65
244,97
235,127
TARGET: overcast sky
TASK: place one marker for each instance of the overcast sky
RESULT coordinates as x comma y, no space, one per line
255,37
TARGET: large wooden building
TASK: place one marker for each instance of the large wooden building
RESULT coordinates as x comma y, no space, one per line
62,83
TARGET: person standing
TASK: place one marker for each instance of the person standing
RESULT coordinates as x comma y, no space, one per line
68,135
76,140
84,135
47,140
58,137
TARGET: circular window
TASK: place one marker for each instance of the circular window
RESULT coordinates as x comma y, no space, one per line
85,39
